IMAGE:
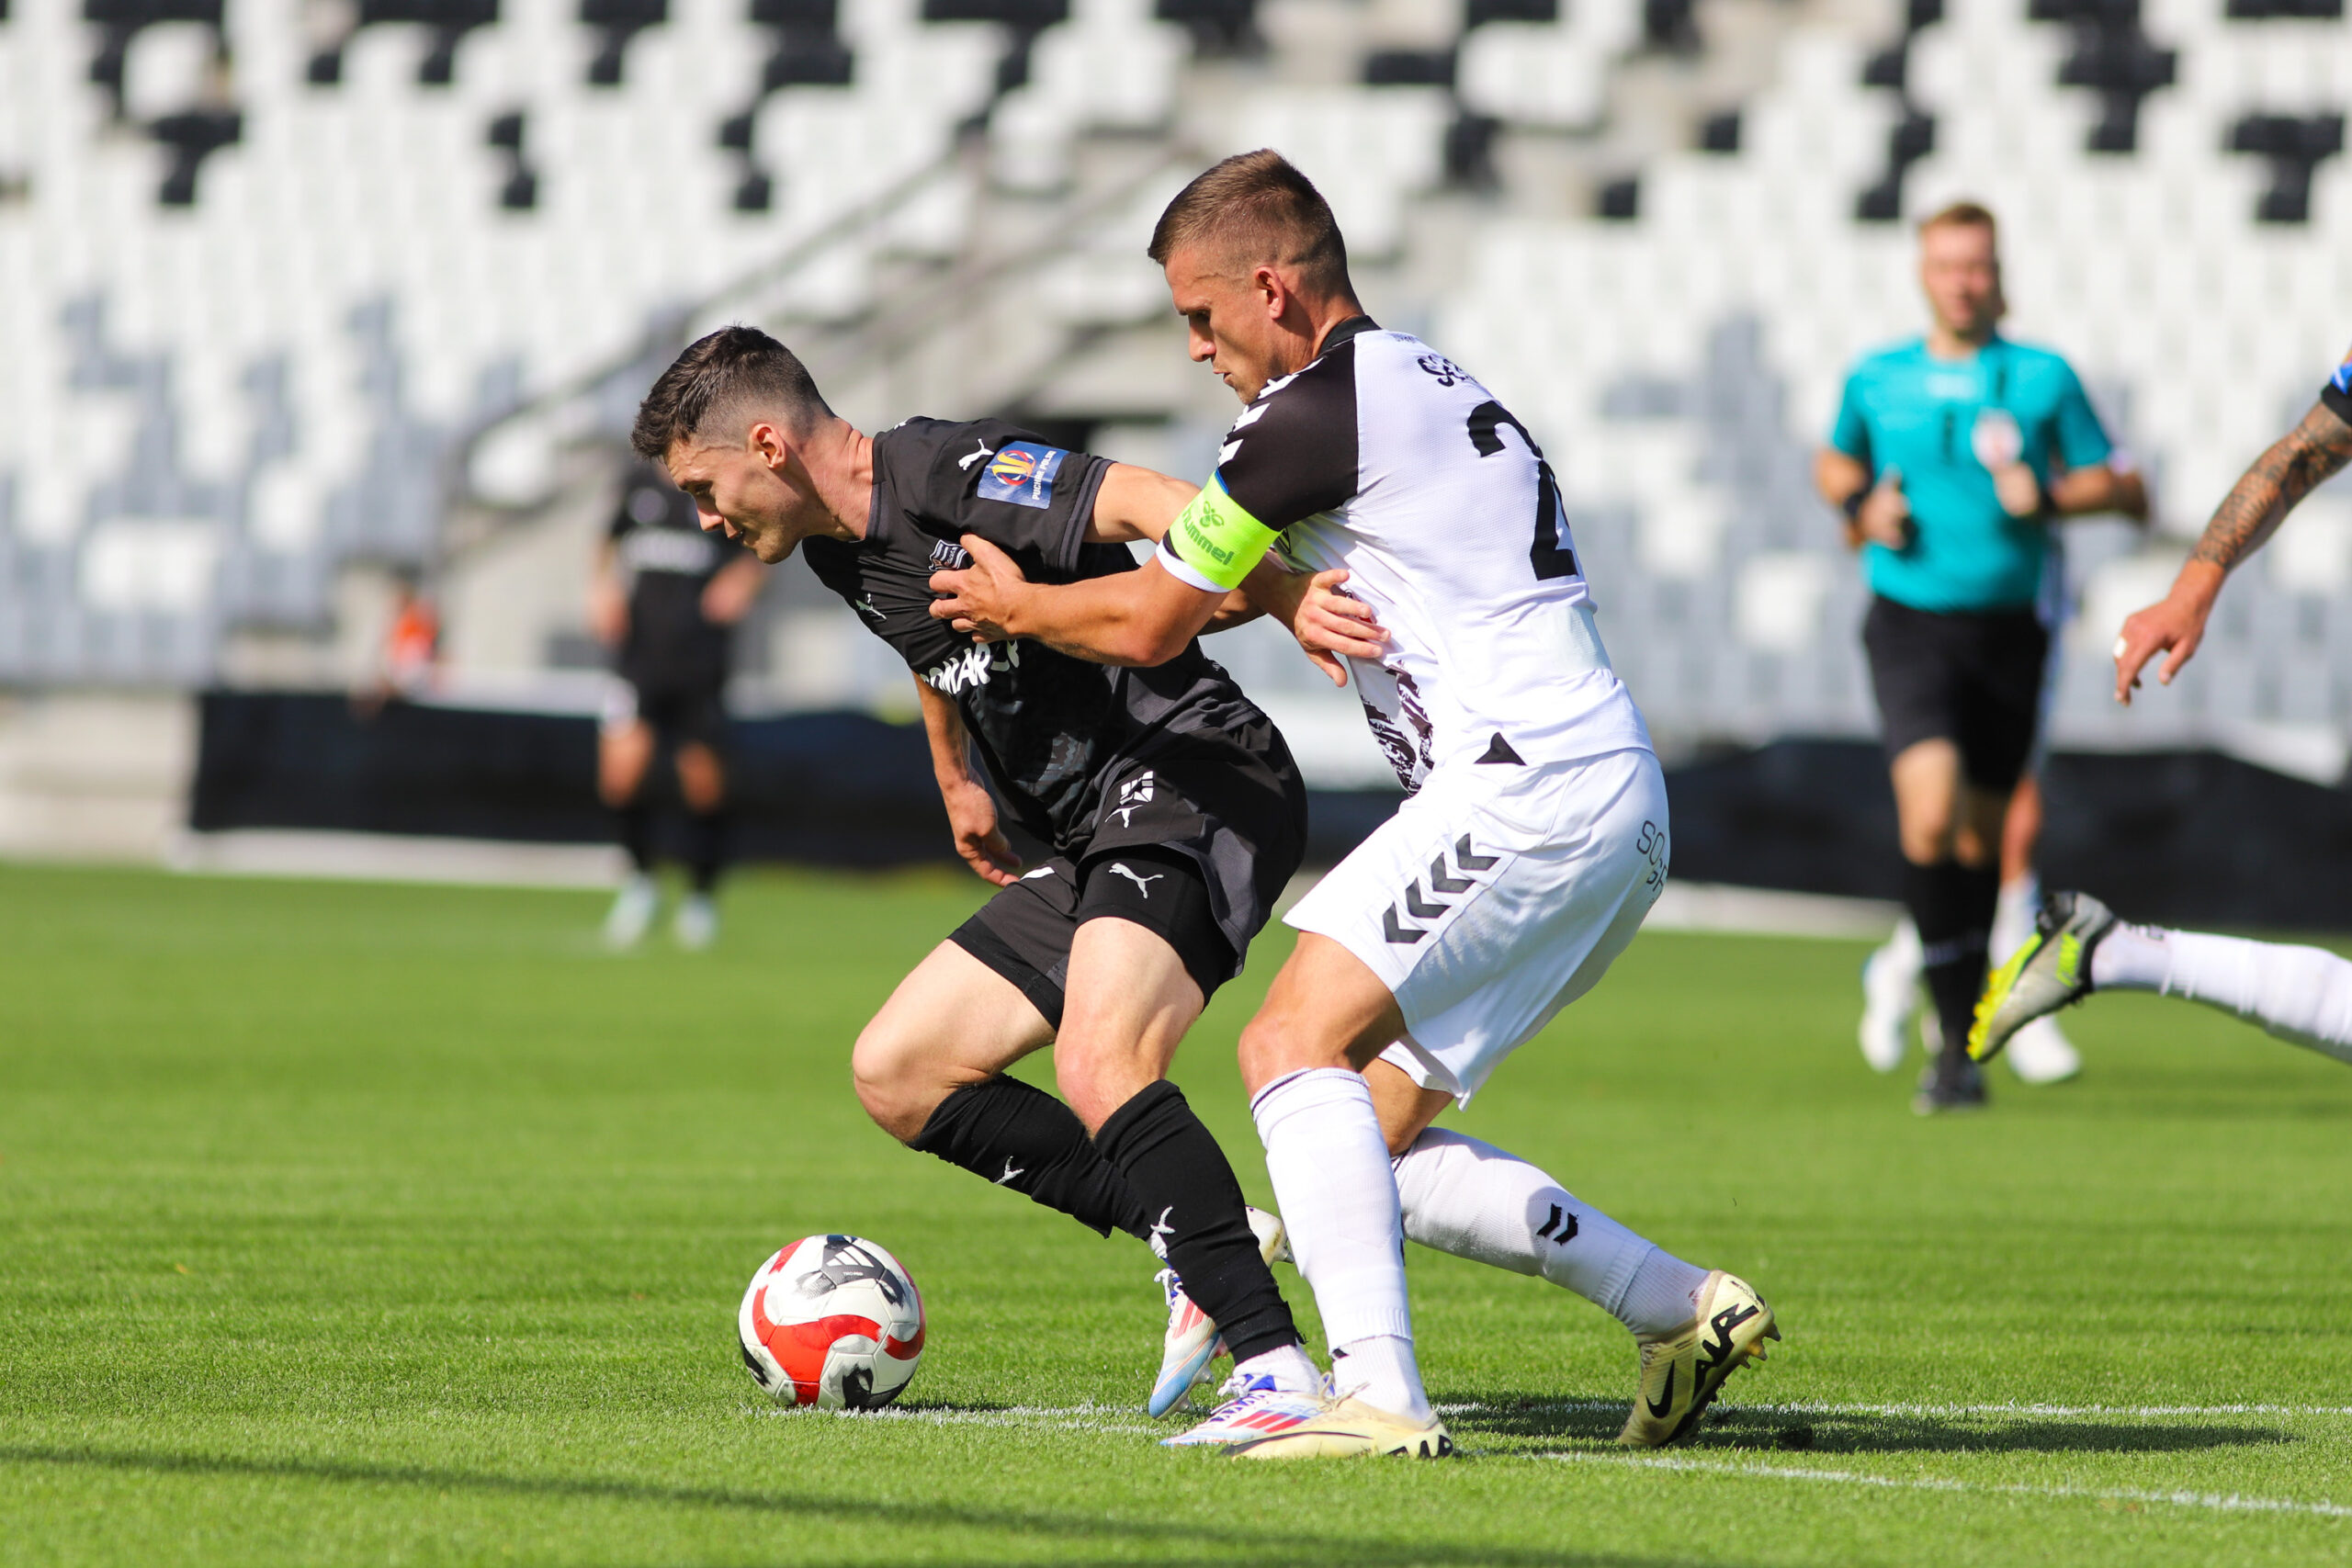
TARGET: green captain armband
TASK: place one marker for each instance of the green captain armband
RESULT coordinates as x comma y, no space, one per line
1216,538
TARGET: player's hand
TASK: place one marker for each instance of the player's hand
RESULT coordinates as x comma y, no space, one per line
980,598
607,611
1333,627
1886,514
2018,490
971,815
2174,625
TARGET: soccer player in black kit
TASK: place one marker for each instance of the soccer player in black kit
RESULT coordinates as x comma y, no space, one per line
1172,805
665,598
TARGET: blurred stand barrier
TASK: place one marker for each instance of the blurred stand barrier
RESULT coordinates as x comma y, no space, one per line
2185,837
843,789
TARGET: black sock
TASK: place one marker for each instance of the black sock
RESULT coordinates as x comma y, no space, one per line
1019,1136
1195,1206
635,820
1952,905
706,847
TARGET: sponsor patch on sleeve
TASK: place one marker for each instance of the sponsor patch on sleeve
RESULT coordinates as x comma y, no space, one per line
1023,473
1218,538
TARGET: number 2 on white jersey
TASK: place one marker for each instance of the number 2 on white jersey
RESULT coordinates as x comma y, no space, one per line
1549,556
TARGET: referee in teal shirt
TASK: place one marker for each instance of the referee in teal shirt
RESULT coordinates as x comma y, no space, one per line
1950,457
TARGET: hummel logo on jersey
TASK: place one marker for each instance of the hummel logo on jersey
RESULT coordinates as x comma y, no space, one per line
1010,1171
1144,883
1133,796
968,458
946,555
1562,1222
1430,907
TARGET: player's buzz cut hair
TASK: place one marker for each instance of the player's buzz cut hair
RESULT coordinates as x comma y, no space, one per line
1962,215
1256,208
723,379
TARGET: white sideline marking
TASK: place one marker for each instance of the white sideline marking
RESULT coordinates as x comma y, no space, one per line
1920,1409
1073,1417
2226,1502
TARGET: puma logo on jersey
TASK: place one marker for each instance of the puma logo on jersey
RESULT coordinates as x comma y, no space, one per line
1010,1171
976,666
968,458
1143,883
865,607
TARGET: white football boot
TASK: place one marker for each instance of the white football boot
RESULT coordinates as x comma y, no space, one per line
1192,1342
633,909
696,926
1259,1421
1890,993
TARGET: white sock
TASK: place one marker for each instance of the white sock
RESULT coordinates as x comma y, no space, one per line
2302,994
2013,917
1475,1200
1380,1371
1290,1366
1329,1162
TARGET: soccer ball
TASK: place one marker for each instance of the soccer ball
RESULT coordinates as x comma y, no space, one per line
832,1321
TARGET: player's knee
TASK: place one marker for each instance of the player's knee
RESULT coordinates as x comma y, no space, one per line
1272,1045
896,1094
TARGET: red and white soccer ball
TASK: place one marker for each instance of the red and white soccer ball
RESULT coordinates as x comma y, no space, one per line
832,1321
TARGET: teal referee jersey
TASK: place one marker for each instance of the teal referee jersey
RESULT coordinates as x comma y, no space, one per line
1944,424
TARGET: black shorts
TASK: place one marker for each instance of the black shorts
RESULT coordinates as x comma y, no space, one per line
1207,841
1025,932
675,713
1973,680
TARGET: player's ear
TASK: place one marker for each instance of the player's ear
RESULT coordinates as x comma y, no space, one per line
1268,285
768,443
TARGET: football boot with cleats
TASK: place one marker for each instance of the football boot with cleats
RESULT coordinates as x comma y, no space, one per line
1683,1371
1192,1342
2051,970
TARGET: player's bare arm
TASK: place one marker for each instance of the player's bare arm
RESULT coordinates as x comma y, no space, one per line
2310,455
971,811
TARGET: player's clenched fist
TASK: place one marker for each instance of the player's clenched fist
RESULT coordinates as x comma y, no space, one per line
1884,515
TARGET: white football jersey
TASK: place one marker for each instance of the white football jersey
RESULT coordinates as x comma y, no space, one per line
1385,458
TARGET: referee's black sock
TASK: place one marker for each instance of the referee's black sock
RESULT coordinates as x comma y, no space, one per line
706,847
1017,1135
1952,905
636,823
1194,1208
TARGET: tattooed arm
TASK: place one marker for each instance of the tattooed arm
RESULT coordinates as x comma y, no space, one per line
2312,452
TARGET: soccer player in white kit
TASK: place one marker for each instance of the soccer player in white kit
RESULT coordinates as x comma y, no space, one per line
2299,994
1533,844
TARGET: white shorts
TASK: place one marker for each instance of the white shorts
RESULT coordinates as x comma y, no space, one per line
1495,897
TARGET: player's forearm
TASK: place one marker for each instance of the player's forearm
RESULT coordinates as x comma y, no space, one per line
2310,455
951,744
1112,620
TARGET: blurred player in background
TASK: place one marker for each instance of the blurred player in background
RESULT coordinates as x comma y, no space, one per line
1174,808
1531,846
666,598
1951,456
2299,994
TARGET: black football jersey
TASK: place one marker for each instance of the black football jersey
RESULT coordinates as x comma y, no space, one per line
1053,732
667,560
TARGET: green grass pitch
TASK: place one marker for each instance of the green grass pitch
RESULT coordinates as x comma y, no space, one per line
346,1223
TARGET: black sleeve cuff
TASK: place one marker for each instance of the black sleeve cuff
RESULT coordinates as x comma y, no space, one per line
2337,401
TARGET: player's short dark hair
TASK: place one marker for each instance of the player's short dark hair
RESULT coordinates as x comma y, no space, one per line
1256,207
734,372
1962,215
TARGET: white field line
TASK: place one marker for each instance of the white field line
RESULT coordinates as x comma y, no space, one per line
1072,1418
2140,1411
2224,1502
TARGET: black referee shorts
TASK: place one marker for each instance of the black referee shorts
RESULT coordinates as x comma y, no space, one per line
676,714
1973,680
1025,932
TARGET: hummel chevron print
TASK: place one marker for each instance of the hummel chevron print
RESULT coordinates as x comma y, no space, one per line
1429,906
